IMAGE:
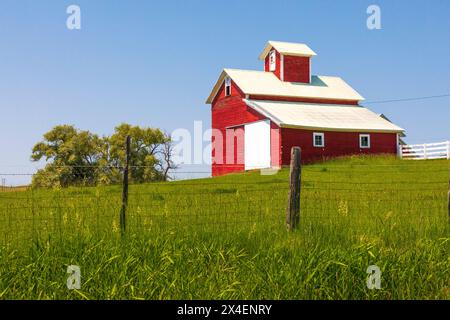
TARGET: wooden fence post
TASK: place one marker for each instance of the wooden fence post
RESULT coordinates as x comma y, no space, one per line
293,208
123,211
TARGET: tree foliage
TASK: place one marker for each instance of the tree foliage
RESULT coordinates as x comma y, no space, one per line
77,157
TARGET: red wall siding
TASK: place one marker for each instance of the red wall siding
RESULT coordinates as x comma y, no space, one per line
277,64
336,144
296,69
230,111
306,100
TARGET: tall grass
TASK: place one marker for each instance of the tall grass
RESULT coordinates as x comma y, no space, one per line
225,237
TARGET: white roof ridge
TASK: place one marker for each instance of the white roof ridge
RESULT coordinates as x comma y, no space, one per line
247,70
289,42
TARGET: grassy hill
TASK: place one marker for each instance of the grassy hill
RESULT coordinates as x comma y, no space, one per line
225,237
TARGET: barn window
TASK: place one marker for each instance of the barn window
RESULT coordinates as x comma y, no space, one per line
318,139
272,60
227,86
364,141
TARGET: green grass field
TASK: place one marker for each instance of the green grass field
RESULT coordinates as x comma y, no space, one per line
225,237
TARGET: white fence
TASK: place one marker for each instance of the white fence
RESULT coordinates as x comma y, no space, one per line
426,151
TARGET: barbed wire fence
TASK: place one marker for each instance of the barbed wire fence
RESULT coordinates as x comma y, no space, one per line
359,197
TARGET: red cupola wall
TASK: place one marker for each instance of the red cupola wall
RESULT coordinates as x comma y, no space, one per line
289,68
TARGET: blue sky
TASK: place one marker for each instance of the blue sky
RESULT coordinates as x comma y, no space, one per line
153,63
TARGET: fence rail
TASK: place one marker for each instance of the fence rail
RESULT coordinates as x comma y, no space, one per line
426,151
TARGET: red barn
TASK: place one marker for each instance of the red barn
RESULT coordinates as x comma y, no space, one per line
257,116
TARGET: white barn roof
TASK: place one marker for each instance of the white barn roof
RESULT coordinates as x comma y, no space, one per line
287,48
326,117
266,83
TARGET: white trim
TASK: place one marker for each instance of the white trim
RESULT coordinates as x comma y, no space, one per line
245,123
310,71
330,129
272,54
319,134
364,135
399,147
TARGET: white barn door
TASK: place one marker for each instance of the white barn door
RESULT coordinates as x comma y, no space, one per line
257,145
